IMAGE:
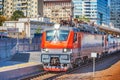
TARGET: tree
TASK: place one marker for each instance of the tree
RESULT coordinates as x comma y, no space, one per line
83,19
0,12
17,14
2,19
38,30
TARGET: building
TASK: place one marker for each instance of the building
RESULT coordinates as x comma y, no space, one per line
95,10
25,27
57,10
115,13
31,8
1,6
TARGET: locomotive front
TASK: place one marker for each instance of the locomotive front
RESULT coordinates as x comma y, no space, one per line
56,49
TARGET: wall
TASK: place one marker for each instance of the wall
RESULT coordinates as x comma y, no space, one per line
10,46
7,48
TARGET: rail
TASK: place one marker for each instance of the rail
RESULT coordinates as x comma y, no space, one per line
52,75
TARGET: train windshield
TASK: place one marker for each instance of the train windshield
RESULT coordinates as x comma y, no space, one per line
57,35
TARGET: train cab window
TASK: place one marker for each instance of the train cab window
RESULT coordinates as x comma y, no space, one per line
75,37
49,35
60,35
63,35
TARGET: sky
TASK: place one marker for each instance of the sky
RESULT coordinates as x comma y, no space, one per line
109,2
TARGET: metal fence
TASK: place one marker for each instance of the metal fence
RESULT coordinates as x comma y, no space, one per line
9,46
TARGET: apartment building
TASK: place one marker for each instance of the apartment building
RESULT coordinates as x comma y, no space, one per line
115,13
31,8
1,6
57,10
96,10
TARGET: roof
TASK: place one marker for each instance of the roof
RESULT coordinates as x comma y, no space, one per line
109,30
61,28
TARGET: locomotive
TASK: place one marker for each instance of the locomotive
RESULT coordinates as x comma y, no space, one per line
63,47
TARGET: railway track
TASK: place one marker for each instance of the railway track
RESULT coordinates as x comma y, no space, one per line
45,75
52,75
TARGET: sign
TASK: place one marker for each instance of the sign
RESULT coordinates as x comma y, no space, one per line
93,54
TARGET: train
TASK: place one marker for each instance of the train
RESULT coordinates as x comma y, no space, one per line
63,47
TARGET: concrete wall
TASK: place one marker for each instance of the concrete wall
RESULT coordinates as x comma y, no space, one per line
9,47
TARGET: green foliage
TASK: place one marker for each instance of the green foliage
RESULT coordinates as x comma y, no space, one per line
17,14
0,13
83,18
2,19
38,30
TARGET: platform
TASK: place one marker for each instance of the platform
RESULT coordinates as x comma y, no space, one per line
15,72
33,56
20,65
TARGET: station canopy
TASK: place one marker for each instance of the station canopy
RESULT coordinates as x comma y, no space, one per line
110,30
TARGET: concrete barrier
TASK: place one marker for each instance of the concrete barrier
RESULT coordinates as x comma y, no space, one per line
15,72
9,47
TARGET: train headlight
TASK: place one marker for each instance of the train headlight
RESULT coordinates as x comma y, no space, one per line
66,50
45,50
